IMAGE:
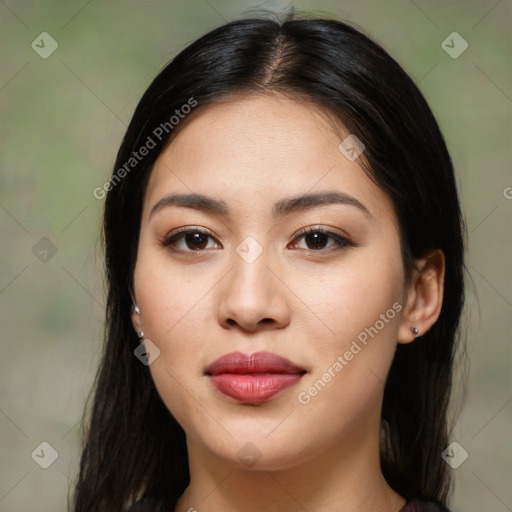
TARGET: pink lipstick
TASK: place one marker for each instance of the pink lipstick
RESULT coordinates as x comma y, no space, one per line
254,378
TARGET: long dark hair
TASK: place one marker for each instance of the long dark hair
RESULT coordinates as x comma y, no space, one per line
133,445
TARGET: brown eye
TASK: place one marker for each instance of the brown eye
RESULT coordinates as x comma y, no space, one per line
187,240
318,239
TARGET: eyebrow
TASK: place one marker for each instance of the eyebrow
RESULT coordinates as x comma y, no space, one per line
280,209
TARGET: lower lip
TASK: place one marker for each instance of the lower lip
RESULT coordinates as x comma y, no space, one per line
255,388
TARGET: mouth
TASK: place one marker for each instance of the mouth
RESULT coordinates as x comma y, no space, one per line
254,378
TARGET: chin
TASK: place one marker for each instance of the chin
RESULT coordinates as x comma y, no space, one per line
257,453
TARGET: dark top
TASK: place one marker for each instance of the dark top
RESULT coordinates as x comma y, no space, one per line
423,506
410,506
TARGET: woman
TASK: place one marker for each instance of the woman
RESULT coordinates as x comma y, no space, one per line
284,255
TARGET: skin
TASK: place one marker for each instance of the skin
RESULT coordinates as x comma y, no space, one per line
302,303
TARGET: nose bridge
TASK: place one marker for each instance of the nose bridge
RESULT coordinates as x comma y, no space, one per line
251,293
250,279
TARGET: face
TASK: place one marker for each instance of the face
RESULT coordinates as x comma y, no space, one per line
303,296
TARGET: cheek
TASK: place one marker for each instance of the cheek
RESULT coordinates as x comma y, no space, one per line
352,298
170,300
176,324
358,309
174,313
178,334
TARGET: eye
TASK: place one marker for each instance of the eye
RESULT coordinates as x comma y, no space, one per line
195,239
188,239
317,239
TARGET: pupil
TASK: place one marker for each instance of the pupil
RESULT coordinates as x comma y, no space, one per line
196,239
316,239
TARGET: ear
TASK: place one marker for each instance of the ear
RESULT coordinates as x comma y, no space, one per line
424,296
136,321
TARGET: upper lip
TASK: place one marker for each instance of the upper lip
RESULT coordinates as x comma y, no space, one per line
259,362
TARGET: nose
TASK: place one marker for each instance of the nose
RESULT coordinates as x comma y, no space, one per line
252,297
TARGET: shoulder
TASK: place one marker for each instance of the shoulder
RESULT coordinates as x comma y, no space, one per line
423,506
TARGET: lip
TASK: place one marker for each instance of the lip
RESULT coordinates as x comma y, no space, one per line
253,378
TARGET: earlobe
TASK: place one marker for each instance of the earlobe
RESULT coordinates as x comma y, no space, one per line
424,298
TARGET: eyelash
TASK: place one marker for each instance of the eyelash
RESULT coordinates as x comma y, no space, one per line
341,241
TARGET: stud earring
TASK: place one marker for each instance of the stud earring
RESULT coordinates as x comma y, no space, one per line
415,331
136,309
140,335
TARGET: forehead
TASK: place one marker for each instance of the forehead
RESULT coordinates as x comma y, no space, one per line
254,150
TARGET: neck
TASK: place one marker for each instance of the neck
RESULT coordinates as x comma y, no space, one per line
344,479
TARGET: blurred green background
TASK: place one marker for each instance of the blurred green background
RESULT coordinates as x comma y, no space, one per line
63,118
